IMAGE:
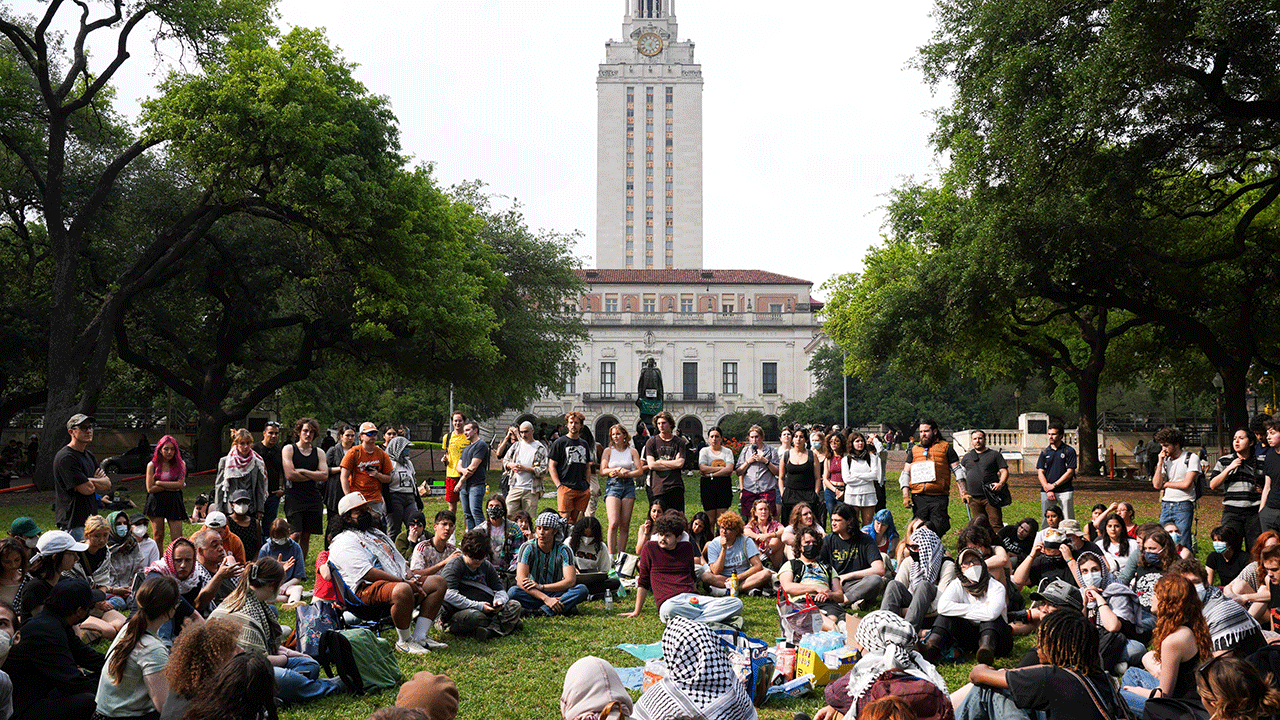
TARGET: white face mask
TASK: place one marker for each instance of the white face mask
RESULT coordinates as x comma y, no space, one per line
281,541
1092,579
6,641
974,573
32,543
139,531
241,508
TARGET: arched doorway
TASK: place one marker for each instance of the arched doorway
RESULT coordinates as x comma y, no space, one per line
601,428
690,427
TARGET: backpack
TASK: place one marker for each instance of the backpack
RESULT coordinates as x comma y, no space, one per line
364,661
1197,487
313,620
925,698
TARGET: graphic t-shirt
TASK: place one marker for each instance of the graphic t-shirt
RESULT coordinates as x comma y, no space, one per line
707,456
846,556
662,481
571,456
1055,462
359,462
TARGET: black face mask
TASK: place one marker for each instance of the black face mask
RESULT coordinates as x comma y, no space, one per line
810,552
497,513
915,555
364,523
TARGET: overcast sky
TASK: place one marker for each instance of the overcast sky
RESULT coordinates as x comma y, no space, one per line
810,112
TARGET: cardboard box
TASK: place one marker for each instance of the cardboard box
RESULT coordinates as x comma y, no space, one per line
827,668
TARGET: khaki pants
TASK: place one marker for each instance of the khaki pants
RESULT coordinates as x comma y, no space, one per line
527,500
978,504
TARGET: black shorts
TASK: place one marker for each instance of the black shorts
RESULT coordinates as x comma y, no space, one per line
717,493
307,521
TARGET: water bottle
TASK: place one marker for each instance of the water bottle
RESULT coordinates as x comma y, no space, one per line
733,585
608,600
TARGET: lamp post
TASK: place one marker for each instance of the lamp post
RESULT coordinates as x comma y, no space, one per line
1017,403
1217,416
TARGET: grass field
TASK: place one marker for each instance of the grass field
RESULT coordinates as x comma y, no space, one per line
522,676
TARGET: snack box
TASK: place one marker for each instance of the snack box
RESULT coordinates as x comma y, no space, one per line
830,666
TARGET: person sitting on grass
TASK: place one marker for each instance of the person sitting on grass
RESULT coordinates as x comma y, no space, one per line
766,533
476,602
735,554
244,689
591,556
1226,561
855,557
431,554
133,684
808,578
971,613
505,537
801,517
288,553
1068,684
194,662
1180,643
546,578
54,675
700,682
369,563
1232,689
666,569
217,572
914,591
1231,628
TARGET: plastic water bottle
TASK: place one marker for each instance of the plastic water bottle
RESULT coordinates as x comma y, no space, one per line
608,600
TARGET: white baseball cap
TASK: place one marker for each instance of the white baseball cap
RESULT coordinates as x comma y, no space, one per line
56,541
216,520
350,501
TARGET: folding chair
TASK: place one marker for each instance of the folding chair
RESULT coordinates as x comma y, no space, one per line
370,616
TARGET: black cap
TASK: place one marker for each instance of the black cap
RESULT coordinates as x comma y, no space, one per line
241,494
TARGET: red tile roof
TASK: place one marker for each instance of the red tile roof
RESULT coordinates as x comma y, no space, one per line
689,277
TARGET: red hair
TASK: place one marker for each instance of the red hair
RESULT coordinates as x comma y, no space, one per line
1261,543
1178,605
178,468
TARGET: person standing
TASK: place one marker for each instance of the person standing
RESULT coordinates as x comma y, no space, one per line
364,469
1056,469
453,446
473,465
333,486
401,496
620,463
166,476
269,450
801,480
527,461
1269,515
926,477
305,471
716,463
984,469
664,454
77,478
758,467
1176,474
1241,472
569,462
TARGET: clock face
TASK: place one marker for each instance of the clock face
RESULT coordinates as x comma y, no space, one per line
650,44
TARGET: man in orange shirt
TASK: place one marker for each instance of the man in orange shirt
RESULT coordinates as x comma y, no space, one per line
365,468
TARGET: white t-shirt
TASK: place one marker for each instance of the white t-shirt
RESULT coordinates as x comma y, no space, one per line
1175,470
527,453
355,553
707,456
590,557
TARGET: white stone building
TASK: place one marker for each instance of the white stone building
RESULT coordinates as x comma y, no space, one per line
725,340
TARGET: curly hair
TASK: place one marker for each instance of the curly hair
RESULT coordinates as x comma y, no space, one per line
671,523
244,689
730,521
1068,639
801,534
889,707
199,653
1177,605
796,513
1171,436
1237,690
475,544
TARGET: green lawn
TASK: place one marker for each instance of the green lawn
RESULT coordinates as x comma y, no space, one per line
522,676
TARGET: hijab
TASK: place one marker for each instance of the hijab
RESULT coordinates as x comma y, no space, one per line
592,690
928,567
887,641
116,543
976,588
165,566
700,681
1122,599
398,449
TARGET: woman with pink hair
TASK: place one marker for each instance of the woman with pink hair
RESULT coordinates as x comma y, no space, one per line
166,476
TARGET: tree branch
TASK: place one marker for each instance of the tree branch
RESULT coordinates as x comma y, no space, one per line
122,54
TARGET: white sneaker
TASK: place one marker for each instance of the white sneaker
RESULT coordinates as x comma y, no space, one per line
430,644
411,648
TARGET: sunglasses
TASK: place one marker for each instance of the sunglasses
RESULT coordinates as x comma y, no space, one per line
1203,670
371,432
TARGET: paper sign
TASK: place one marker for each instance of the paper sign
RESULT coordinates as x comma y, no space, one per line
923,472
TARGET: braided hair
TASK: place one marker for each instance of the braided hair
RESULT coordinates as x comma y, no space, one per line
1067,639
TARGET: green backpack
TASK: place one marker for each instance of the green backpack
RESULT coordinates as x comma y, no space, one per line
364,661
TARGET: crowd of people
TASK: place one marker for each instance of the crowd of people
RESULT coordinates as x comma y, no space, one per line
1110,598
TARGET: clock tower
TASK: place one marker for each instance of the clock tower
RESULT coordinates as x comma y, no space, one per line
649,145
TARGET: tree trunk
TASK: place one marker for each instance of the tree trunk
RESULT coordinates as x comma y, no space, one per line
210,438
1087,455
1235,387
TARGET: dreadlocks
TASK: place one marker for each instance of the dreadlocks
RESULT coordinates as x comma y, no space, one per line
1066,639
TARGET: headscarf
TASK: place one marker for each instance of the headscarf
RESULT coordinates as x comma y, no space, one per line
398,449
1122,599
932,553
116,543
164,566
592,686
700,681
887,641
238,466
976,588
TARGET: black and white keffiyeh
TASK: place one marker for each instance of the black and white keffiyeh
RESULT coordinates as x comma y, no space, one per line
932,553
700,681
887,641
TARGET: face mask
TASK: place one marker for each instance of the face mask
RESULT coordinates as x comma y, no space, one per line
364,523
915,555
122,530
241,508
1200,591
139,531
1219,546
6,641
497,513
1151,558
33,543
974,573
1091,579
1176,538
280,541
810,552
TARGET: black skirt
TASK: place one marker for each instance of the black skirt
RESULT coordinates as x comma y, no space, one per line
167,504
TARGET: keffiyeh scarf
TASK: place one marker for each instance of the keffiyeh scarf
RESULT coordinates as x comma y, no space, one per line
929,565
238,465
887,641
164,566
700,681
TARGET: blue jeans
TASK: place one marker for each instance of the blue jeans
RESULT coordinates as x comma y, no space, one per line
1137,677
570,598
299,681
987,703
832,500
473,503
1180,514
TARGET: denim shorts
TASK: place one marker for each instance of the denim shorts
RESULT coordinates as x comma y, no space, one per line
624,488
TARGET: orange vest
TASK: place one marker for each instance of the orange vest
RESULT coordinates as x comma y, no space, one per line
937,454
